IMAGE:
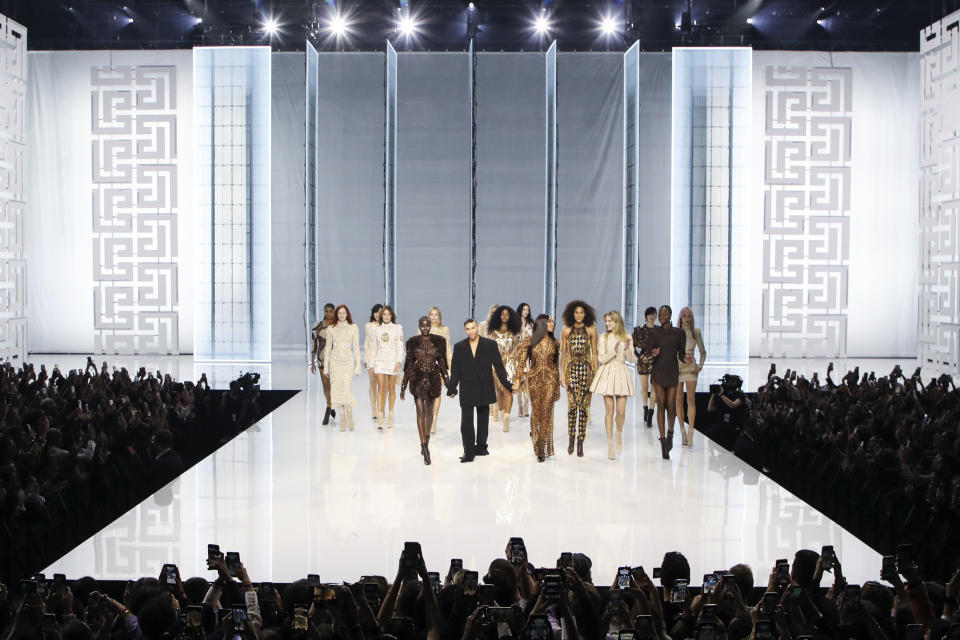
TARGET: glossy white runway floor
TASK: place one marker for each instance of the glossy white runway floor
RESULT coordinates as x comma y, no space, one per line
295,497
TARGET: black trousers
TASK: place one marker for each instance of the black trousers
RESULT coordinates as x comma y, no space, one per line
474,442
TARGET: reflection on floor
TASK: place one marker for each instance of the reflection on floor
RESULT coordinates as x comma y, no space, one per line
295,497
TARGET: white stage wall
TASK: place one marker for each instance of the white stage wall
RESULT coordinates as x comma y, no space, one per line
843,158
881,265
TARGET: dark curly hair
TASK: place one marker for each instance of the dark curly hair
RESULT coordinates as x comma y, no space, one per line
513,324
539,333
589,318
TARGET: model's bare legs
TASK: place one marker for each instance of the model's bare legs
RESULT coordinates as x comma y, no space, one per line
620,417
691,412
609,403
436,410
504,404
648,398
374,392
382,383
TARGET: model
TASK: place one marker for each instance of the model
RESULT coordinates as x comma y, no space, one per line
503,327
319,336
689,372
645,361
341,358
614,380
578,353
526,331
425,370
368,349
387,359
668,346
542,377
437,328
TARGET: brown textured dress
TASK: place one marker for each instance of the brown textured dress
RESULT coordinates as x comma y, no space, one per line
425,367
543,382
672,343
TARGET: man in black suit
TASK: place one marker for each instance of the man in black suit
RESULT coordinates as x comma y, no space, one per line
473,362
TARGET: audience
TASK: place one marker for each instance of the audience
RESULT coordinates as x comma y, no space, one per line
878,455
513,600
76,450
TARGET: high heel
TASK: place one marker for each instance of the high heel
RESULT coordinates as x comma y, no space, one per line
390,420
664,452
670,440
610,453
579,448
379,421
326,416
425,451
570,446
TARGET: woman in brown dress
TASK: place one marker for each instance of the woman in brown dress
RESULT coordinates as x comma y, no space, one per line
424,370
645,360
542,376
668,346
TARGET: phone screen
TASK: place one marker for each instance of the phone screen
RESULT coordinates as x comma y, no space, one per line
623,577
709,583
456,564
470,582
679,593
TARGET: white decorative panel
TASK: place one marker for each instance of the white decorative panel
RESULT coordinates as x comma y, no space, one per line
939,317
806,210
135,208
13,206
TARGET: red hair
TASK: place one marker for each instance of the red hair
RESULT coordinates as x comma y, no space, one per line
336,315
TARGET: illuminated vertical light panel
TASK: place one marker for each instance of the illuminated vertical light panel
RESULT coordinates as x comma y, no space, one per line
232,96
310,190
631,181
710,174
390,178
550,159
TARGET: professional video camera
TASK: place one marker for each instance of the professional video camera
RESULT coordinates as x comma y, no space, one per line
729,383
249,383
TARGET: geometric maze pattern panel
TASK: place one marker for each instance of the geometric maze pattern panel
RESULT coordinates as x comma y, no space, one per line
939,255
134,150
806,211
13,208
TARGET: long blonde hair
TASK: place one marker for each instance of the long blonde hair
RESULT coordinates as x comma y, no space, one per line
439,316
693,325
619,330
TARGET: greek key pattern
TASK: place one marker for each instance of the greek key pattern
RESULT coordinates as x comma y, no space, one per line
134,144
938,326
13,206
806,210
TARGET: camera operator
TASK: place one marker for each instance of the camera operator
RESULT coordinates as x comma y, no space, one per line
727,409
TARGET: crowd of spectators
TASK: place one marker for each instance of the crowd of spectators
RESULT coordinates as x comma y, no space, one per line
79,448
513,600
878,455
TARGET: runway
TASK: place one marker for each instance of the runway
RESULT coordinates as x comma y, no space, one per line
296,497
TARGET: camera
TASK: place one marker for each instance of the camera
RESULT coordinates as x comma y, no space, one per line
623,578
233,563
249,383
170,575
517,551
552,585
679,591
709,583
470,582
827,557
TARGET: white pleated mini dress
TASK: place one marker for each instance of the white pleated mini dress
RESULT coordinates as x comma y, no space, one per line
613,377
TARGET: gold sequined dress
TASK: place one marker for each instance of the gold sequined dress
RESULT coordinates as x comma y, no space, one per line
510,354
543,383
578,371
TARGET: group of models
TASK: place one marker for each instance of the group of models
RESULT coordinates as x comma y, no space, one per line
528,362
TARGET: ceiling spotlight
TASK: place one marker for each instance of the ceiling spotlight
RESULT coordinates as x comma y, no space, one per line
749,20
471,6
338,25
197,20
407,26
608,26
542,25
271,26
821,22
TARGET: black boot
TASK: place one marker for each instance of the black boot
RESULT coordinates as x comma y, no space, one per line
425,451
570,446
664,451
670,440
579,448
650,418
326,416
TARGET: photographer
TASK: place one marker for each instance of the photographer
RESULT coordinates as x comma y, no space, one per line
726,410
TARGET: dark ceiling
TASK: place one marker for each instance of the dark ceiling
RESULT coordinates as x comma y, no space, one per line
891,25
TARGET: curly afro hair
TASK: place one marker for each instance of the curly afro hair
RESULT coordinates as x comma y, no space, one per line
513,324
589,318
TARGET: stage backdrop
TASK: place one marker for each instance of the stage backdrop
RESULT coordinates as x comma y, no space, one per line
859,178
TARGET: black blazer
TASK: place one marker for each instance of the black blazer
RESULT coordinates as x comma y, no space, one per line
474,373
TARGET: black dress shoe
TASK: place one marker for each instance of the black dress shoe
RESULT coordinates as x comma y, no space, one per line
481,452
466,458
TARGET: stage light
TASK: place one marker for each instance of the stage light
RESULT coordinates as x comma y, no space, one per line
338,25
471,6
821,22
406,26
749,20
271,26
542,25
197,20
129,19
608,25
